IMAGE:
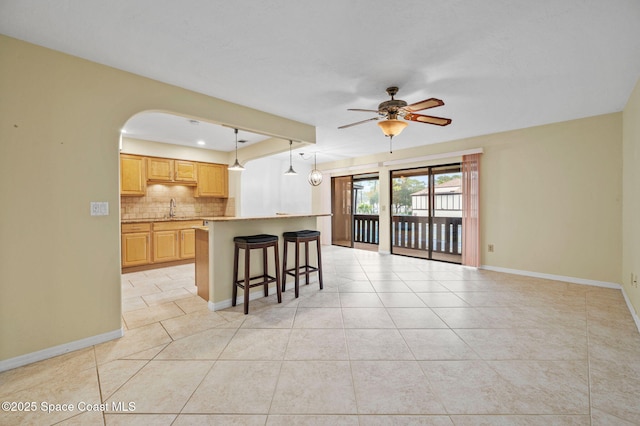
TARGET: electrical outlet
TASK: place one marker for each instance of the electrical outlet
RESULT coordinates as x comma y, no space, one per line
490,248
634,280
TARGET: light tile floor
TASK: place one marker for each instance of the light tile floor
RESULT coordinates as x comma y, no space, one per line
390,341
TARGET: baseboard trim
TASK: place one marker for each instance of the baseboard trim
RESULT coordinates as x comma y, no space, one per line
564,278
635,317
19,361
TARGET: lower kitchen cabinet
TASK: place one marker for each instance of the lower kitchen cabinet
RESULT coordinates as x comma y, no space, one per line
136,244
165,246
187,243
148,243
174,240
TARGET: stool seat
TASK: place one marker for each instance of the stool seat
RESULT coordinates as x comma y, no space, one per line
301,234
256,239
248,243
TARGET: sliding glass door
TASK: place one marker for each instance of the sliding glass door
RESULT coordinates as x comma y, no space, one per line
342,209
426,213
355,204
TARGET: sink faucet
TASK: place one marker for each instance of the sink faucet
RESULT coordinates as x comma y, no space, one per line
172,207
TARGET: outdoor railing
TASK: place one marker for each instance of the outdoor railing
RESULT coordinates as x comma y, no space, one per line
366,228
412,232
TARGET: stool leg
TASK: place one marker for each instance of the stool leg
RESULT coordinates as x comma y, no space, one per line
319,262
235,276
247,262
306,262
297,276
265,269
284,267
277,265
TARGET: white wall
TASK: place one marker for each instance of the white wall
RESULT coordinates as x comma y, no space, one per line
265,190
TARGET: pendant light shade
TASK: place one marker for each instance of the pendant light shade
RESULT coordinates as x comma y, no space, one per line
236,167
290,172
315,176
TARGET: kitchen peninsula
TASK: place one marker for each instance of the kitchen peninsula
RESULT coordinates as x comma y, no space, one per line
214,250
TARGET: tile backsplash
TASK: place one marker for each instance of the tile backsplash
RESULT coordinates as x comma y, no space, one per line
155,204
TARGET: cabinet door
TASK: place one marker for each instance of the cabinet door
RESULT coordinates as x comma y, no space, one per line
132,175
212,180
160,169
187,243
165,246
135,249
185,171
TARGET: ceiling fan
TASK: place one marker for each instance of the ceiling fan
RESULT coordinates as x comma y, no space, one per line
392,109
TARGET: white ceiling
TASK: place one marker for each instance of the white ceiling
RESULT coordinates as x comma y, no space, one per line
497,64
178,130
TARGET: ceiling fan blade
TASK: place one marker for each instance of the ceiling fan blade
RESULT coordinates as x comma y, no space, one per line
426,104
438,121
358,122
363,110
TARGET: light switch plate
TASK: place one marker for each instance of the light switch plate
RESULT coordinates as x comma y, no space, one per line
99,208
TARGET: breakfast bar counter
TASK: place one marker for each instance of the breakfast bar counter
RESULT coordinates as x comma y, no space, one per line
214,261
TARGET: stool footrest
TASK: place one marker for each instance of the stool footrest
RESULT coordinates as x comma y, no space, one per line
303,269
270,279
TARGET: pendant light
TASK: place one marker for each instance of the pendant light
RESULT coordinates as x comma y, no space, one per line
315,176
236,167
290,172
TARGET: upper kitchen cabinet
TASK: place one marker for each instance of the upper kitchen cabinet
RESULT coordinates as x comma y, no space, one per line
132,175
213,180
169,170
186,171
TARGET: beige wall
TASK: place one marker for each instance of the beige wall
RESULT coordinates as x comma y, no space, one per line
631,196
551,195
60,118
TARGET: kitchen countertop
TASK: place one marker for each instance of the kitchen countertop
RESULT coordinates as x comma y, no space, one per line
276,216
175,219
224,218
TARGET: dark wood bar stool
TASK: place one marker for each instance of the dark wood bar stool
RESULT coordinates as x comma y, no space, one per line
299,237
248,243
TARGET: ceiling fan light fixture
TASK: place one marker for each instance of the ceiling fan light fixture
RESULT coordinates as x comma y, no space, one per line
392,127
